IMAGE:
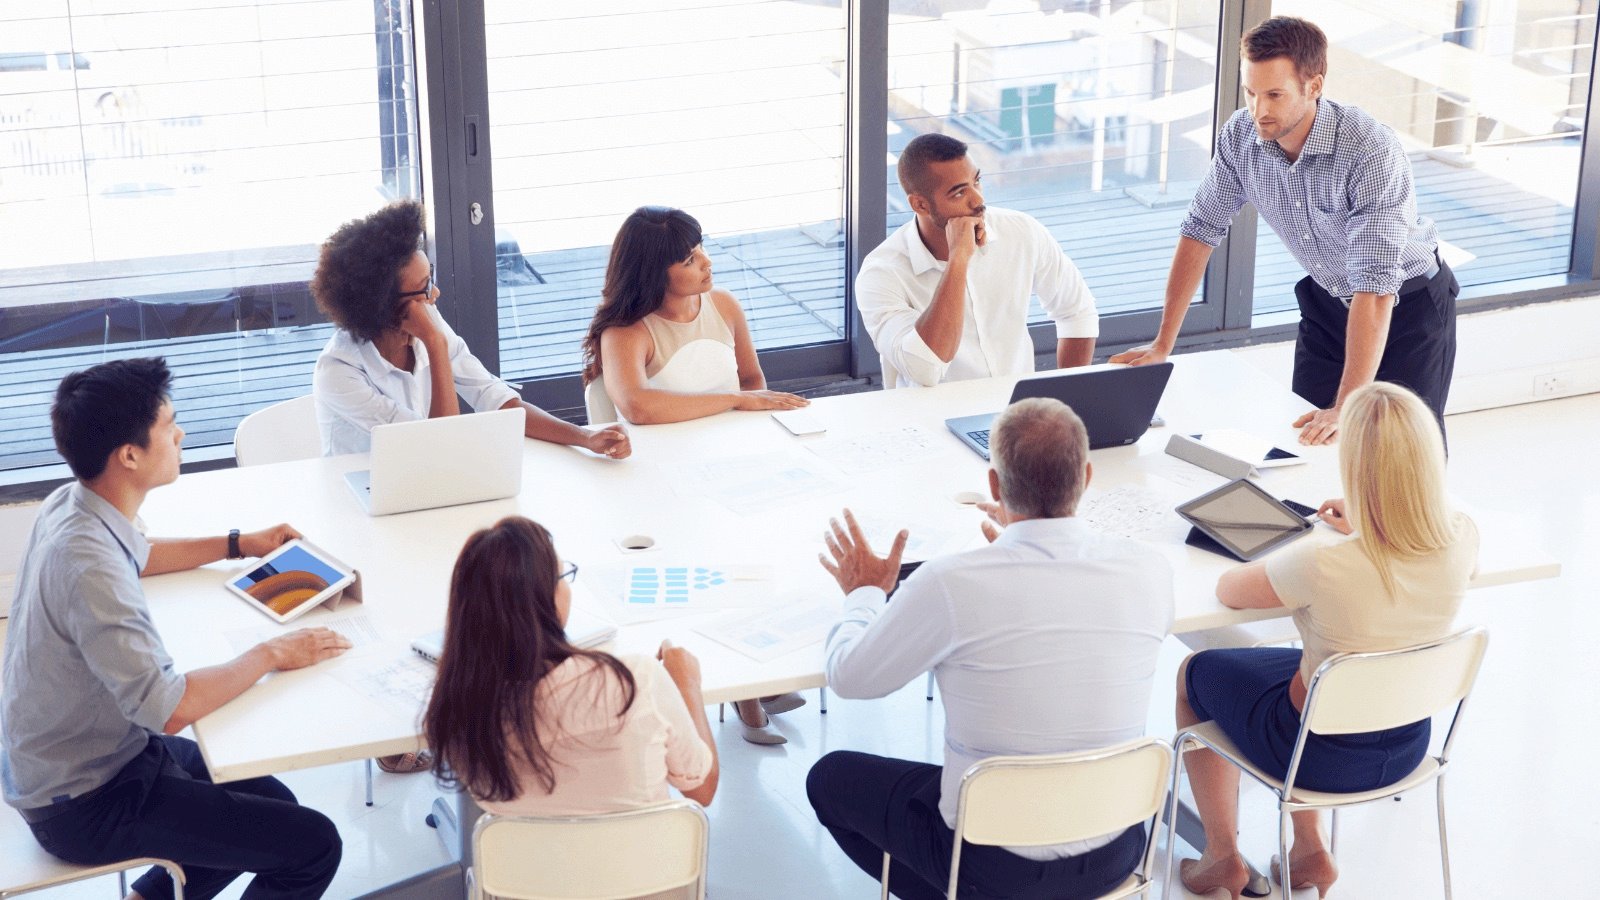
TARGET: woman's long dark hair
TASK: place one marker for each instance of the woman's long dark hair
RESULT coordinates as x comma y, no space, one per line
652,239
501,636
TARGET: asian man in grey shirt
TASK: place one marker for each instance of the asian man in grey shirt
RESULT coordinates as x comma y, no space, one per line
92,701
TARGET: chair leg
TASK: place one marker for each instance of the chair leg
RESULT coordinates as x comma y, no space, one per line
1283,849
1172,818
1444,842
822,700
930,685
721,712
883,881
122,884
369,782
1333,836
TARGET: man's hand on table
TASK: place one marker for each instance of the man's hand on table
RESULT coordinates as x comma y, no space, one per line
854,564
305,647
994,521
1320,426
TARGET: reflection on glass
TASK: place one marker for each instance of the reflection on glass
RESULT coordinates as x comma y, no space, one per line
1489,100
732,110
1093,118
166,176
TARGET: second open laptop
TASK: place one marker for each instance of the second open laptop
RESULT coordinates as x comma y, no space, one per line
442,462
1115,403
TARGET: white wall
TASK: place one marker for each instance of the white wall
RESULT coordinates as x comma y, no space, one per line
1503,357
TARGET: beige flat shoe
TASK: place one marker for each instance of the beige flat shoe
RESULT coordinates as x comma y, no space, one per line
406,763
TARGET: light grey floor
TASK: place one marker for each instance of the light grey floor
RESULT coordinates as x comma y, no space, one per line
1523,790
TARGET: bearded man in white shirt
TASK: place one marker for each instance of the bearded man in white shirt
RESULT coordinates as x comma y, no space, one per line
945,297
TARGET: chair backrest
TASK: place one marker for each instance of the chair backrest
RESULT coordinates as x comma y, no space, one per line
1352,693
602,857
597,403
283,432
1023,801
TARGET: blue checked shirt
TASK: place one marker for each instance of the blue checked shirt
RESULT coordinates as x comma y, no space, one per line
1346,208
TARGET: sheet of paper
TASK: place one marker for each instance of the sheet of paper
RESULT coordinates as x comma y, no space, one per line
767,635
358,628
751,485
1182,475
400,683
925,541
696,587
881,449
1127,511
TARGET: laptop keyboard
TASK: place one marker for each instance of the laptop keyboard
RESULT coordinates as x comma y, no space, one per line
981,438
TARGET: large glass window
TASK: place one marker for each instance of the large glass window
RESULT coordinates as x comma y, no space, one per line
730,109
166,177
1488,98
1095,118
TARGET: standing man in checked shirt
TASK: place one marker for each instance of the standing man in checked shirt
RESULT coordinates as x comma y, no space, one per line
1378,303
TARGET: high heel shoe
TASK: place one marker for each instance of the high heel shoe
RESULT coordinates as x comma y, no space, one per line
1317,871
764,733
782,703
1232,882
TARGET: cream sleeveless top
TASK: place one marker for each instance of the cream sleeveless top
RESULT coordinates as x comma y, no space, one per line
694,357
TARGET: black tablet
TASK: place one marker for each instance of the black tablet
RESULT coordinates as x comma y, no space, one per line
1244,519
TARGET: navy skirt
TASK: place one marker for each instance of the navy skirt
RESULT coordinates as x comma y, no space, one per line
1246,692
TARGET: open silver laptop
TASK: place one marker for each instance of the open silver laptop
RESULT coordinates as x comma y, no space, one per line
1115,403
442,462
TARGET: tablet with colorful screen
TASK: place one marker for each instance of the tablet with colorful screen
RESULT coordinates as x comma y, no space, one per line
291,581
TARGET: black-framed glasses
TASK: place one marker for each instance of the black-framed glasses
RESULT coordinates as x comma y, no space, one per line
425,292
570,574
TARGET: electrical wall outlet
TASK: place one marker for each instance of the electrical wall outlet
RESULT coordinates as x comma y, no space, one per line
1549,385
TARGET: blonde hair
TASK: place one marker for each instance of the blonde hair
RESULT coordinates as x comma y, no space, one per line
1391,459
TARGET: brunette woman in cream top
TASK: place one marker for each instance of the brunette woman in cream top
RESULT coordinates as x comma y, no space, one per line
530,724
665,344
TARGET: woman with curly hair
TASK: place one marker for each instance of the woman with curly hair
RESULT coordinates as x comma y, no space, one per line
674,347
394,359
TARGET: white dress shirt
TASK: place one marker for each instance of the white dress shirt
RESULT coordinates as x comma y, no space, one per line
1043,642
356,389
1019,258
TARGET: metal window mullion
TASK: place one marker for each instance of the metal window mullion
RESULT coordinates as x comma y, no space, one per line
1585,264
1230,278
866,149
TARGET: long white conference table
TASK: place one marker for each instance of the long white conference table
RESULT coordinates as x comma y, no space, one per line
734,493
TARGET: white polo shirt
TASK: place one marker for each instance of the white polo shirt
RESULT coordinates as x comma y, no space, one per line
1019,258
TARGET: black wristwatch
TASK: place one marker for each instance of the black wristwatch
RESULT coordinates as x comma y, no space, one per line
233,545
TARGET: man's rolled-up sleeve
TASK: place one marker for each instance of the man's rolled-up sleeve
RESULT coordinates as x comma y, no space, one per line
1383,209
1218,199
123,651
1061,288
891,321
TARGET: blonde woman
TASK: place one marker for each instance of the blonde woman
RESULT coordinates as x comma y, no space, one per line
1396,579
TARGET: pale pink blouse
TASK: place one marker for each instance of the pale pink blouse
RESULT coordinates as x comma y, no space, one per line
605,762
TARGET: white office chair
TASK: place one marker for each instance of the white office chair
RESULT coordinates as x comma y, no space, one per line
283,432
29,868
1353,693
597,403
602,857
1031,801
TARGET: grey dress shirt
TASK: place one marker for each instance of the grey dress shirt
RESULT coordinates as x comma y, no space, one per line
87,679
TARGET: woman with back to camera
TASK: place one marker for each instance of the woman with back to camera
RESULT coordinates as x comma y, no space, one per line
394,358
669,346
531,725
1396,579
666,346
